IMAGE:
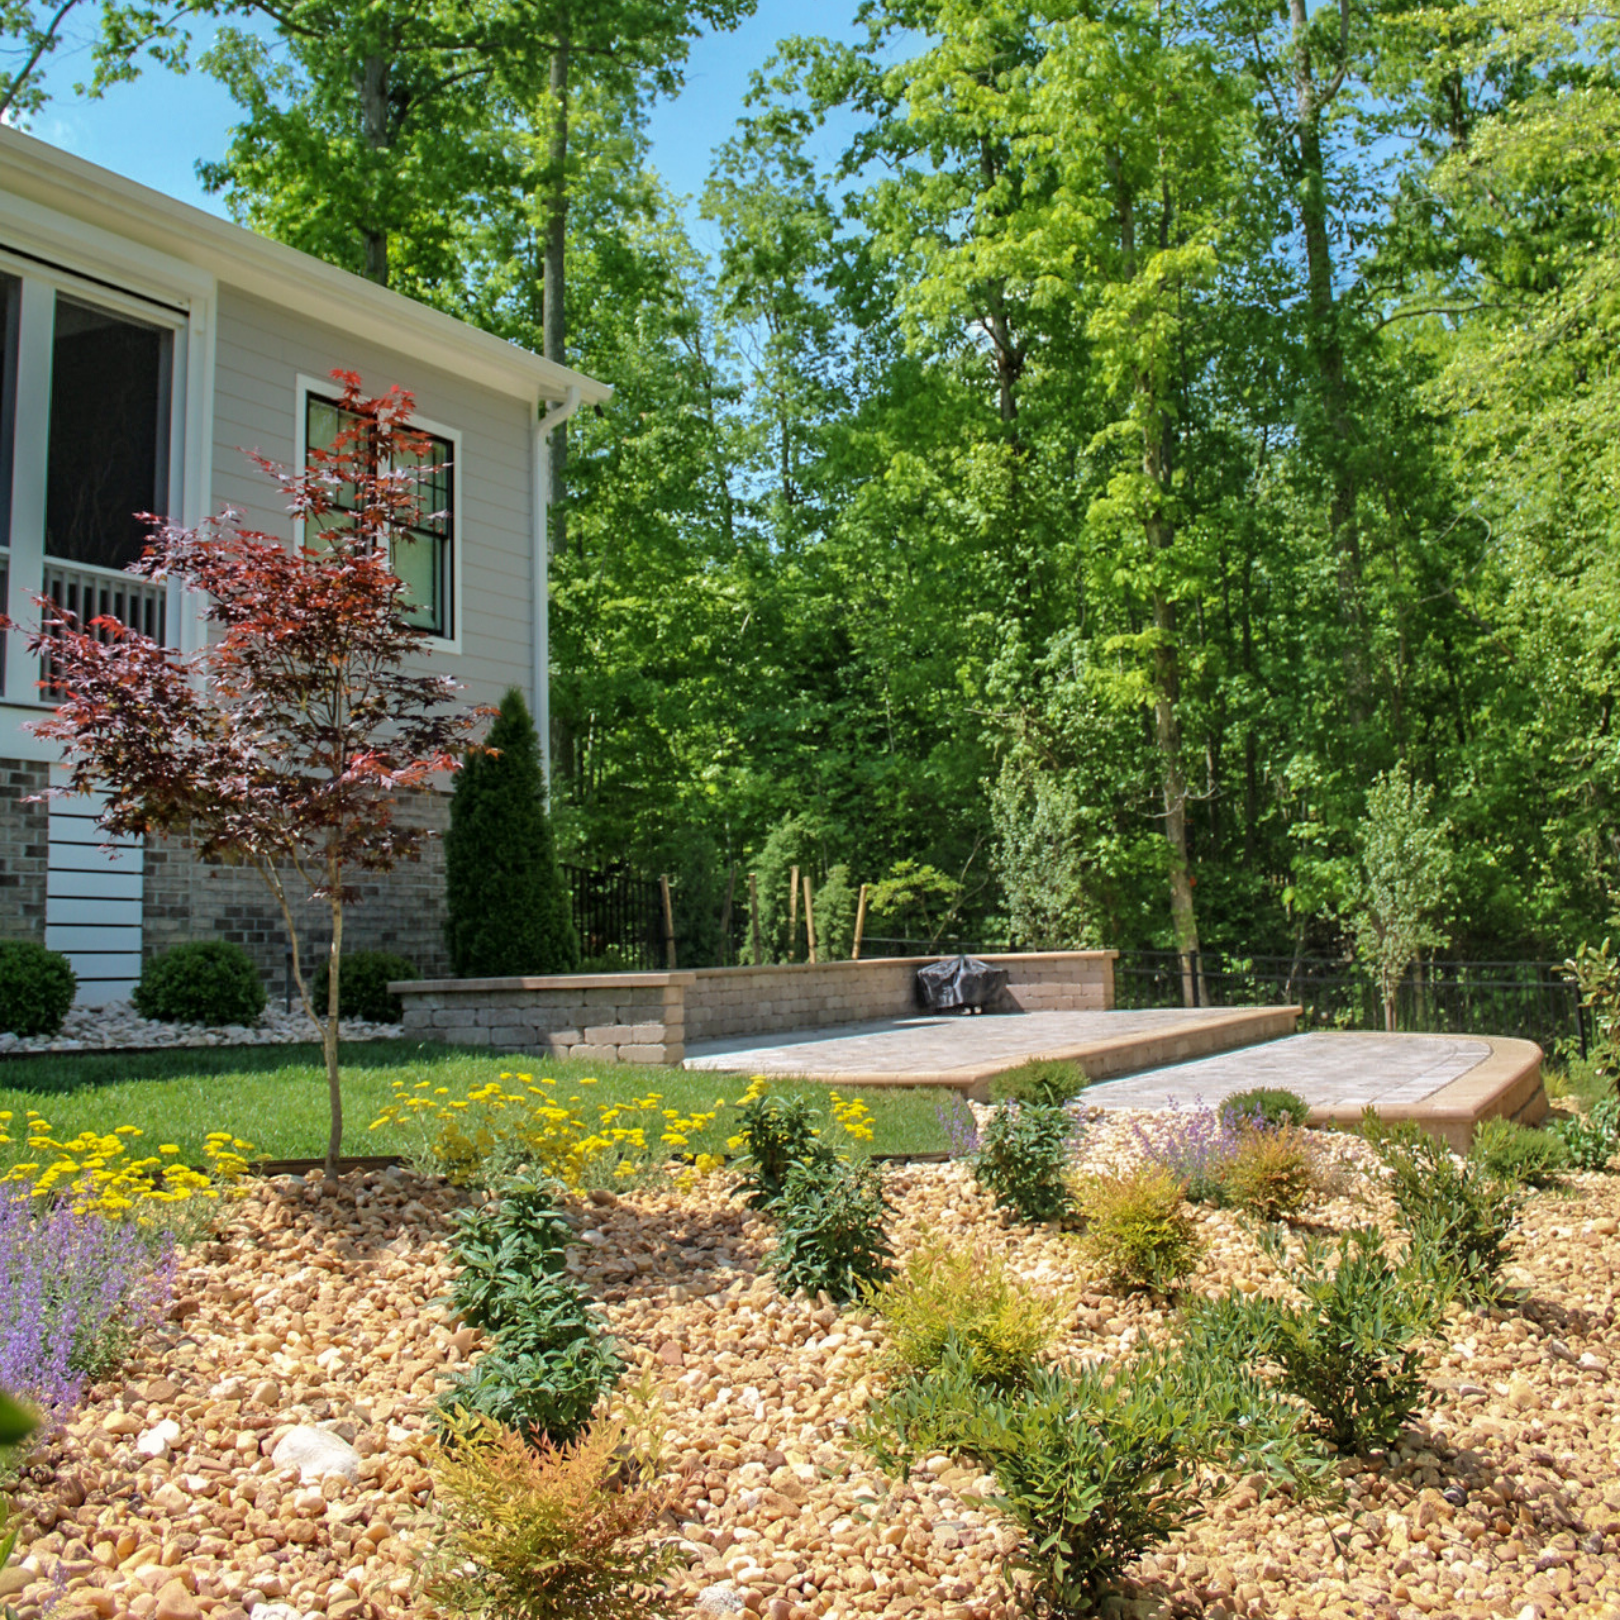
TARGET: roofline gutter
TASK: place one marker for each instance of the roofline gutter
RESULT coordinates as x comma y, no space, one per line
540,677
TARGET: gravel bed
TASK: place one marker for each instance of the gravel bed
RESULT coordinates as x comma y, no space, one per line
117,1026
317,1311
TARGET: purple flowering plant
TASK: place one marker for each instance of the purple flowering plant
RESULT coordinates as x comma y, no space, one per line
74,1289
960,1127
1196,1145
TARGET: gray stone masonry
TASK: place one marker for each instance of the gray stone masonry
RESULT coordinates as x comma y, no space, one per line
24,849
650,1017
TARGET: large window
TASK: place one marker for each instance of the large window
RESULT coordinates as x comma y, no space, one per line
109,434
424,556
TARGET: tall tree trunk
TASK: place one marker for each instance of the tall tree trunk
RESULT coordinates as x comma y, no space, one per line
554,333
374,127
329,1033
1160,531
1326,342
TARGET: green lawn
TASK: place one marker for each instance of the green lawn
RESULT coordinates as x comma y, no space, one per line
275,1097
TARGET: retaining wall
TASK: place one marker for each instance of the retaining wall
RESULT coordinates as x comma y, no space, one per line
650,1017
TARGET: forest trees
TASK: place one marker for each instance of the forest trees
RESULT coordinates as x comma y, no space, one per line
1088,452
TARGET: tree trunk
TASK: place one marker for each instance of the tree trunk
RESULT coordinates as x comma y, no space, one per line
374,127
1326,346
1167,732
554,333
329,1033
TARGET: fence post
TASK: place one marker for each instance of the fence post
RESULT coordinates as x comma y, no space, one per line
753,914
793,913
725,918
809,919
669,923
860,924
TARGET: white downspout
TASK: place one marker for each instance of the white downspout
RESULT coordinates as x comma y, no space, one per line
540,696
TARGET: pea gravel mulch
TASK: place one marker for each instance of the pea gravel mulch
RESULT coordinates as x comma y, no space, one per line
319,1309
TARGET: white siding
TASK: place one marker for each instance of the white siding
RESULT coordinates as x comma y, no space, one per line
93,901
261,349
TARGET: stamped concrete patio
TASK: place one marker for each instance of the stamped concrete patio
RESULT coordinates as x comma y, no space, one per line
1174,1058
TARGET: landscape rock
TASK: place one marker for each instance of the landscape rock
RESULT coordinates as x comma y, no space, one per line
315,1453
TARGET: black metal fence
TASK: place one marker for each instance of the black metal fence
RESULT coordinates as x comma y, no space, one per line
1536,1001
879,945
619,917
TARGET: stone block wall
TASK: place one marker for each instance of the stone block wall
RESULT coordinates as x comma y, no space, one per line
650,1017
24,849
600,1018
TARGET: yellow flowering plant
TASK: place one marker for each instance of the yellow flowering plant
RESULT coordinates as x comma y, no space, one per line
99,1174
518,1119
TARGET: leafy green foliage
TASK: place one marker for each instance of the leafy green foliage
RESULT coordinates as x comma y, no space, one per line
1591,1139
1518,1153
37,987
507,911
363,985
1269,1106
1351,1351
1461,1218
1047,1081
550,1363
1023,1159
778,1134
207,982
964,1302
830,1236
1139,1232
1272,1174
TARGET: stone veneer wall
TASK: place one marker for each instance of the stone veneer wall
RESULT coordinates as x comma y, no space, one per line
650,1017
24,849
184,898
401,911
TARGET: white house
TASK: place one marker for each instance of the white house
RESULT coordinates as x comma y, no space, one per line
146,345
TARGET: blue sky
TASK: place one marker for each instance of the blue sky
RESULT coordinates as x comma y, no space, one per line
156,129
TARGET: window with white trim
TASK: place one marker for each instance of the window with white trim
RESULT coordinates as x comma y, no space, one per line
423,555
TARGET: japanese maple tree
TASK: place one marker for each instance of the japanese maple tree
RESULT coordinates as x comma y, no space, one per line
286,742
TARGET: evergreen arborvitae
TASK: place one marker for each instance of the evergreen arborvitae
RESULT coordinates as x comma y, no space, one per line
508,911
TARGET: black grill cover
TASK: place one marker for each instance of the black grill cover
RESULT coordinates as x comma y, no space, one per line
959,982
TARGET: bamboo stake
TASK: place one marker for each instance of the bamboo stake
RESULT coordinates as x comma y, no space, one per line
793,913
753,912
860,924
809,918
669,923
725,918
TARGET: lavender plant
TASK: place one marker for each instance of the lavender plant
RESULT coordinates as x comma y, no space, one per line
74,1288
960,1127
1195,1145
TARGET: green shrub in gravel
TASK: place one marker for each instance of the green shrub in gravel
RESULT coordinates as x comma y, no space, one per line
1138,1230
778,1135
1352,1351
1591,1139
1518,1153
208,982
1461,1217
1023,1159
550,1362
37,987
363,986
830,1236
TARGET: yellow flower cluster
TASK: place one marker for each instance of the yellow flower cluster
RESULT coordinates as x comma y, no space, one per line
517,1114
98,1174
854,1116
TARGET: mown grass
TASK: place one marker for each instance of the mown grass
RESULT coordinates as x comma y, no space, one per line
275,1097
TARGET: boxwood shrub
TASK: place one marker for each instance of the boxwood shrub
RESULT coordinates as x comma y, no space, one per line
208,982
37,987
363,986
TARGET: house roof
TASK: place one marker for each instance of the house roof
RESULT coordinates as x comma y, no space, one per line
50,179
